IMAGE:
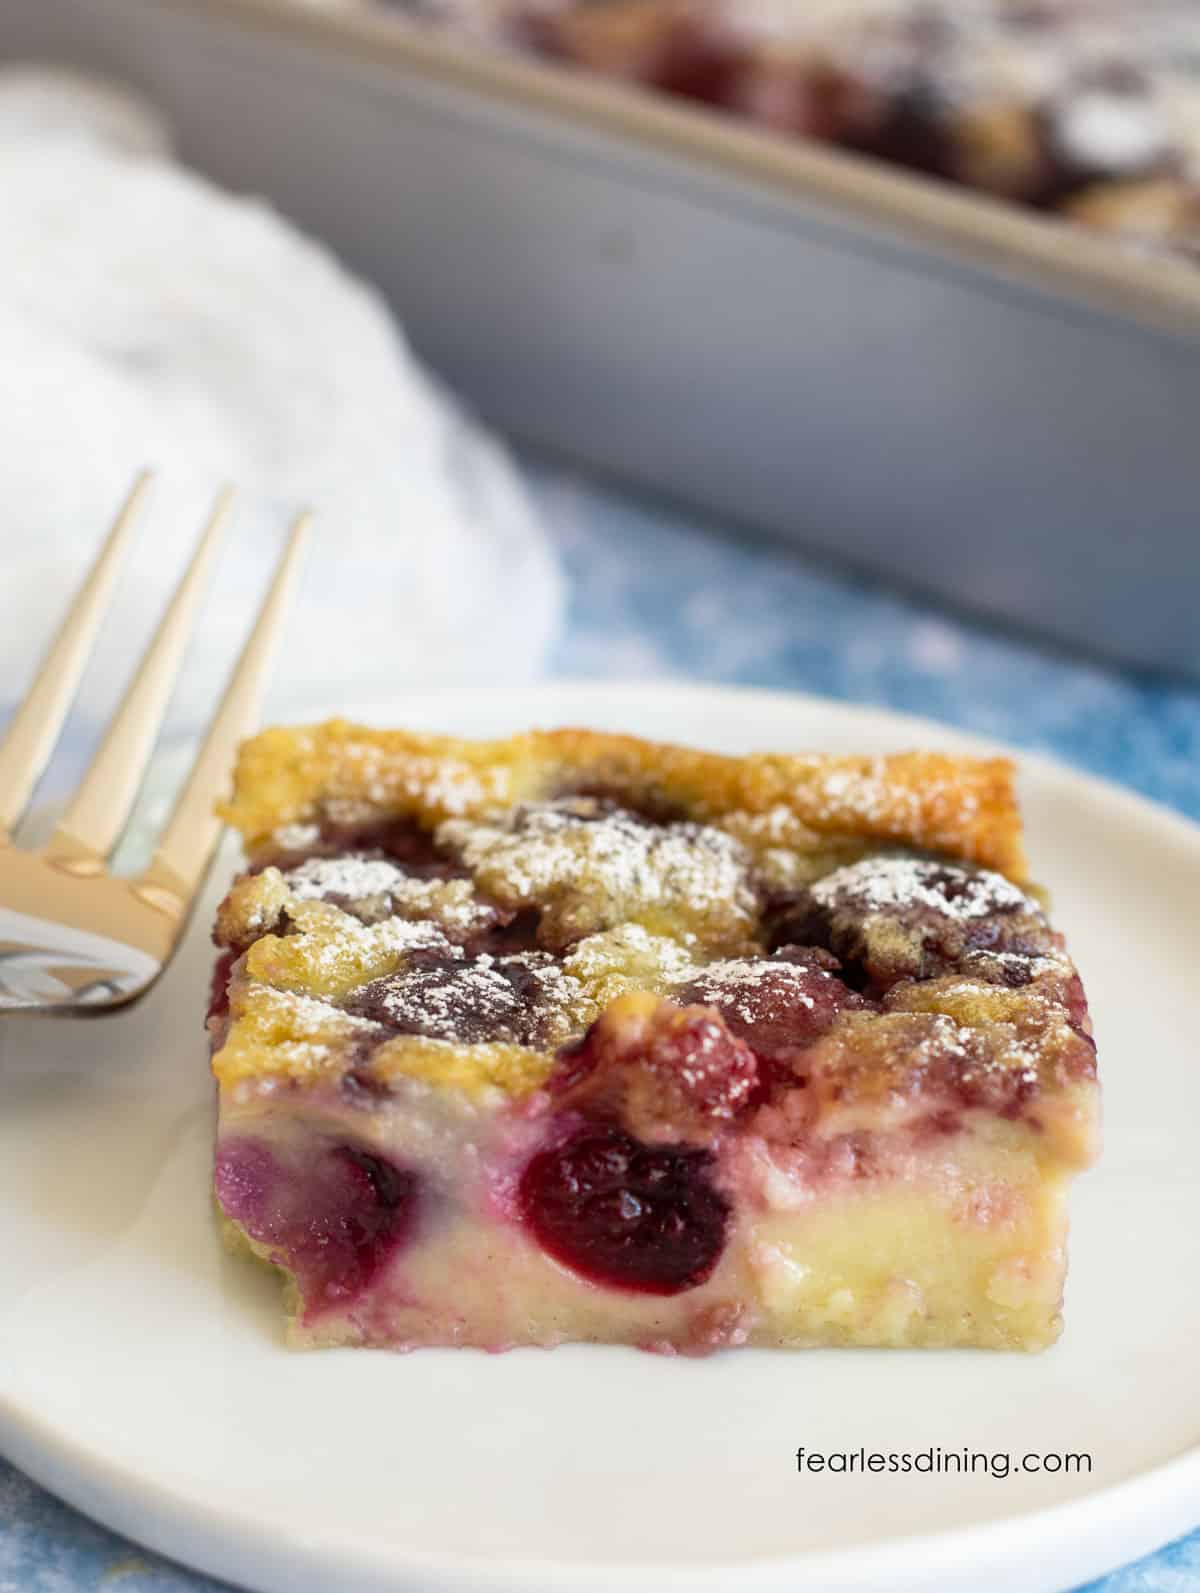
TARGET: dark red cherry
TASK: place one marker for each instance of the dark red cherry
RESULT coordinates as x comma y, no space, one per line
218,991
333,1221
900,916
451,996
778,1005
663,1071
631,1216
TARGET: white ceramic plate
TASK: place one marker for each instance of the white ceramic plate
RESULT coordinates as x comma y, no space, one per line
142,1375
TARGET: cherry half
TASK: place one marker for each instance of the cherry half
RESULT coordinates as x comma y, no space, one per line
631,1216
333,1222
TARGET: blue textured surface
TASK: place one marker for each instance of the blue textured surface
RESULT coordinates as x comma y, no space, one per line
656,594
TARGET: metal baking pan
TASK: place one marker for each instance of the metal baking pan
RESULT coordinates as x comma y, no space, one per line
959,396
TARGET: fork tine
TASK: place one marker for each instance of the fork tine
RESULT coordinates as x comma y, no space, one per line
186,844
33,732
97,813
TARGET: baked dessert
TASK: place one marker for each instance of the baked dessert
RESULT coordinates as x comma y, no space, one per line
1089,109
578,1037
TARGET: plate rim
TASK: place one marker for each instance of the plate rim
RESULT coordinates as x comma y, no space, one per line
1144,1511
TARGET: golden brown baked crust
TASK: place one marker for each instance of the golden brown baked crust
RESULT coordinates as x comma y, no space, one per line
960,807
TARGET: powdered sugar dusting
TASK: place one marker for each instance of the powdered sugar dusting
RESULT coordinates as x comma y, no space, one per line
340,939
420,1006
427,784
1104,128
595,866
374,888
296,837
1017,965
866,791
740,981
631,952
309,1012
352,877
893,881
471,999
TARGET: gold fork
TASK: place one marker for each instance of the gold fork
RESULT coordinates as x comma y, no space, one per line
73,936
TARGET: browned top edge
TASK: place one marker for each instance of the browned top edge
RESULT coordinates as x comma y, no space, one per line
960,806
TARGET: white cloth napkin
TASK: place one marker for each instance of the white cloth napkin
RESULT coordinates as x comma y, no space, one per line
147,317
